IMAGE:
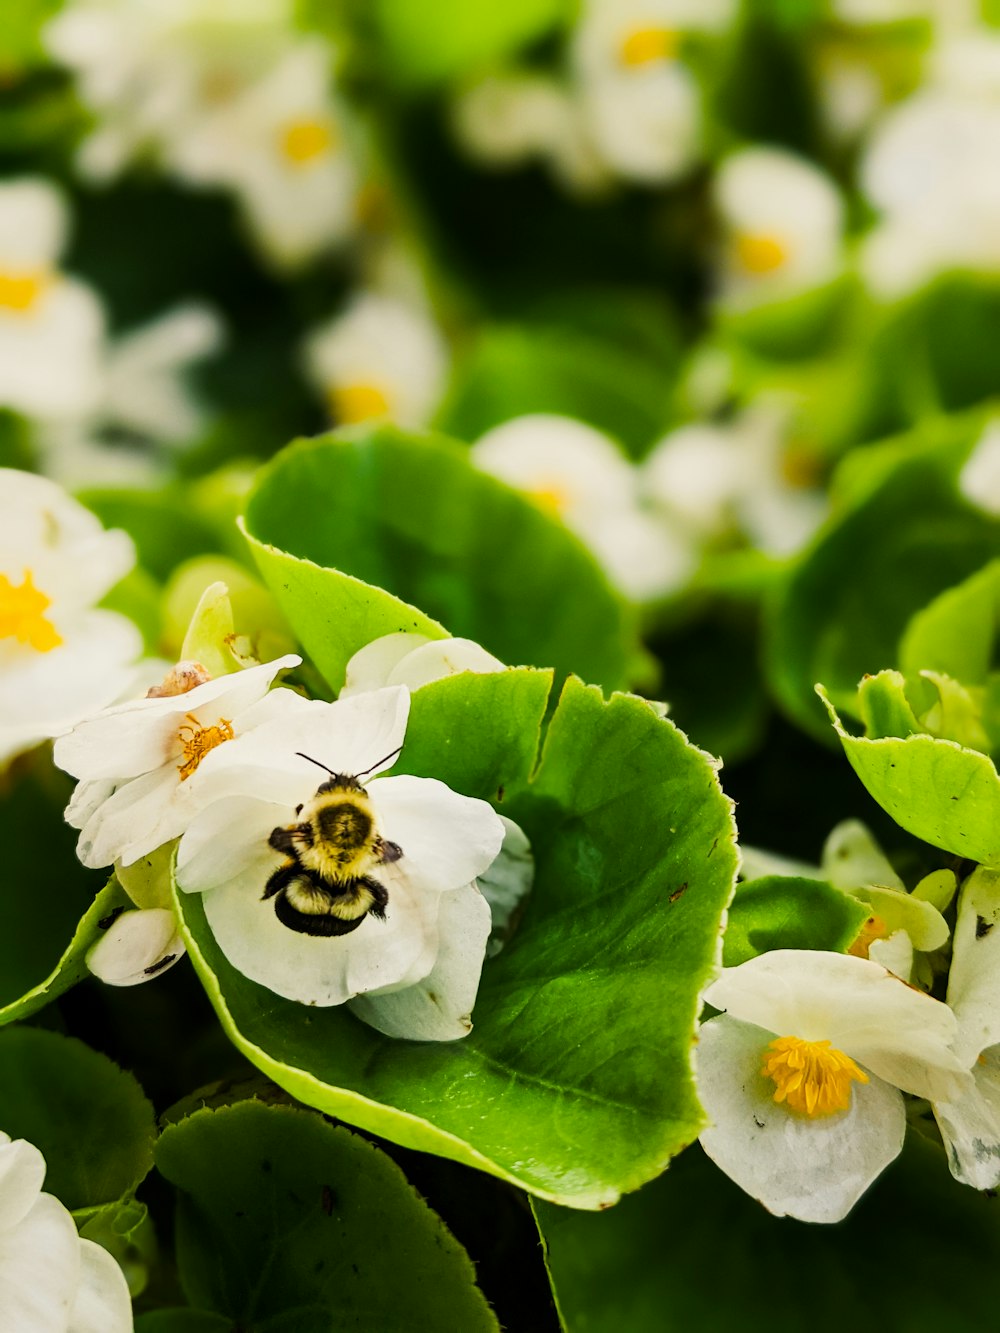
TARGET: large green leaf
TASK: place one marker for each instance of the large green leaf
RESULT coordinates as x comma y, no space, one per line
788,912
411,515
89,1118
956,633
939,791
285,1220
49,915
575,1082
849,599
692,1252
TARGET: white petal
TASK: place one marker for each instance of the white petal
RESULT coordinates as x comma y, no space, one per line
315,970
440,658
138,946
228,841
814,1169
895,954
898,1033
970,1127
22,1171
507,882
852,858
370,667
102,1303
439,1007
39,1269
447,839
975,965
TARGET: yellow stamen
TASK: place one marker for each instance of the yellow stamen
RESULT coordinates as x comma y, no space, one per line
760,252
21,614
20,291
873,929
199,741
811,1077
304,140
358,402
552,497
645,45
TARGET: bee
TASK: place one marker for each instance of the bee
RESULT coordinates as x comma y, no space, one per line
326,887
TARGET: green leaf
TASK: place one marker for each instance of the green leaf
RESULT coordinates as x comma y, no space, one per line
49,916
846,603
281,1214
692,1251
956,633
576,1081
788,912
183,1320
935,789
89,1118
425,42
411,515
512,371
884,707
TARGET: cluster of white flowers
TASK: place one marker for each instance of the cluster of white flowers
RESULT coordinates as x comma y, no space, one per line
60,368
51,1279
628,108
220,95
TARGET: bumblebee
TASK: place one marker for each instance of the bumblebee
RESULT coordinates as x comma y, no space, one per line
325,887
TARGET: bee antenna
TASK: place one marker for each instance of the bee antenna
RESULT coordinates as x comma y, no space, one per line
378,764
314,761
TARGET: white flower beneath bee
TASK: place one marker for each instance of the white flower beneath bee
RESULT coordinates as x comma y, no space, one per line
801,1076
381,359
61,657
141,763
351,889
51,1279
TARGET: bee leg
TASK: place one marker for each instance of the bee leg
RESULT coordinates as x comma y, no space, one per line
285,839
379,893
388,851
282,877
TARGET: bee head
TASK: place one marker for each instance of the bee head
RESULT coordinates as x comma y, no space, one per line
345,781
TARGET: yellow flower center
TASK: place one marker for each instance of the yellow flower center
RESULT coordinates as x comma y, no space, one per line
760,252
358,402
304,140
811,1077
22,608
551,496
645,45
199,740
20,291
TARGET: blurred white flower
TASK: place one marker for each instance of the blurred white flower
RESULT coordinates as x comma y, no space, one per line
745,477
801,1076
51,1279
932,169
783,220
640,103
152,70
51,326
409,963
142,764
413,660
580,476
282,146
979,480
380,359
60,656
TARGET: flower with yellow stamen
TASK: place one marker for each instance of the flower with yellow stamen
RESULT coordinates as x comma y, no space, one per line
802,1076
760,252
303,141
643,46
22,614
20,291
358,402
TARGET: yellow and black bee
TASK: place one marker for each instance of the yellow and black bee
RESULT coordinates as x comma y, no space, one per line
326,887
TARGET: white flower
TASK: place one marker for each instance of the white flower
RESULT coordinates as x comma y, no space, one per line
51,1280
979,480
931,170
379,359
51,326
60,657
412,972
413,660
142,763
747,476
641,104
282,146
783,220
970,1124
801,1076
153,70
141,943
580,476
